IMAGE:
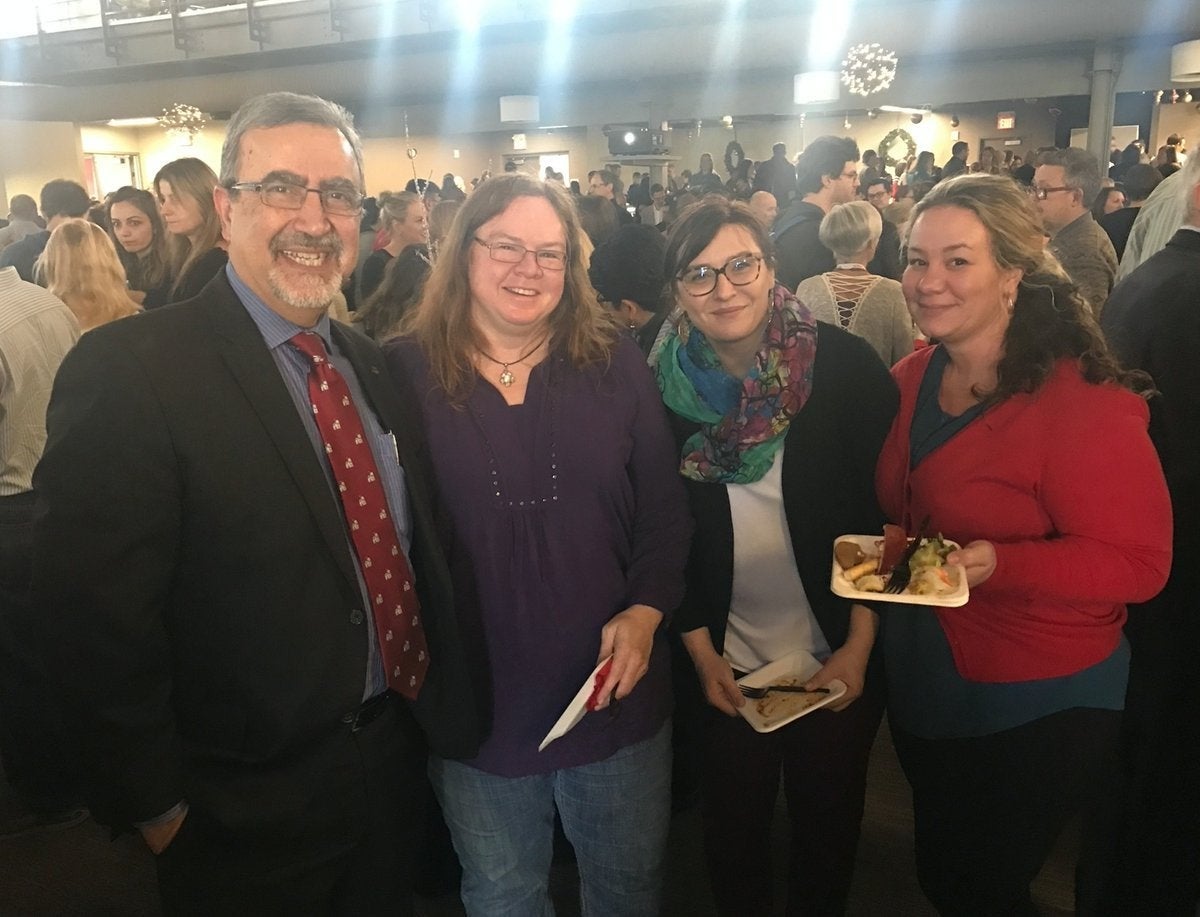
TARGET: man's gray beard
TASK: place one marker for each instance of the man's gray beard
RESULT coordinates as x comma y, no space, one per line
319,292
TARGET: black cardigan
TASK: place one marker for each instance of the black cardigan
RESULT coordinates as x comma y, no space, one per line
828,487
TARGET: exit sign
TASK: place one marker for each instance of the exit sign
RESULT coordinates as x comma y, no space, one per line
1006,120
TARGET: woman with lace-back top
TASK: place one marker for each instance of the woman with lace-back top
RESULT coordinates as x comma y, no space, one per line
870,307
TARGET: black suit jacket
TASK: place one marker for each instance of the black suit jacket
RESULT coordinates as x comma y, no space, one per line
798,248
886,262
192,562
1152,320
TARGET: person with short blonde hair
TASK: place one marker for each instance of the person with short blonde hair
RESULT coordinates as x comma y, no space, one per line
850,228
80,266
849,296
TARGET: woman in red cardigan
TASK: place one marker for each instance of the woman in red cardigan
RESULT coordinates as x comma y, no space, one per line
1022,439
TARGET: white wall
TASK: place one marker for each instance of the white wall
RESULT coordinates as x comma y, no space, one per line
35,153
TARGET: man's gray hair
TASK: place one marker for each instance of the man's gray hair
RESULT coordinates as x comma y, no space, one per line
1080,170
277,109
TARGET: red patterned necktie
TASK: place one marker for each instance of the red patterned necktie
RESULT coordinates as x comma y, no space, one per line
384,567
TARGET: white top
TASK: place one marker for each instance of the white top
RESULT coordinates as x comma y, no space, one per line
36,331
769,613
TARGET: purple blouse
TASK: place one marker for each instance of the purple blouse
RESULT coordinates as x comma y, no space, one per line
568,509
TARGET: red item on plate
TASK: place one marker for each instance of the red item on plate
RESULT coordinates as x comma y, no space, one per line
895,540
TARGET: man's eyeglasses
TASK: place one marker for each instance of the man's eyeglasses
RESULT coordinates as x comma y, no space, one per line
511,253
288,195
702,279
1042,193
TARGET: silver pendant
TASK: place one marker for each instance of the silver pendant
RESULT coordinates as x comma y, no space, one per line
507,378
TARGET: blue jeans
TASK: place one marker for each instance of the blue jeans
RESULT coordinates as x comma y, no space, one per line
615,813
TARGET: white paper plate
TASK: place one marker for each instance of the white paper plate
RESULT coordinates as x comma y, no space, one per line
800,664
576,709
843,587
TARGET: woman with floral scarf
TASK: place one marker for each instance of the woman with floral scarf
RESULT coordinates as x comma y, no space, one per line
779,421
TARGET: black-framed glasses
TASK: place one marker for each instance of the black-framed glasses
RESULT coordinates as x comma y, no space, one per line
1042,193
287,195
550,259
739,270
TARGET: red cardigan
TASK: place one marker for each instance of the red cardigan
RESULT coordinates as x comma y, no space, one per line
1067,486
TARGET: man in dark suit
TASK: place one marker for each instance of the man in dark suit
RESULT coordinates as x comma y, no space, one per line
1153,324
215,615
886,263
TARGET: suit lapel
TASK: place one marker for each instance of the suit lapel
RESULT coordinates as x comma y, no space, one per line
253,369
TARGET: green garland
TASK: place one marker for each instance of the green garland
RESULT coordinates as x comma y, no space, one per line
889,140
734,157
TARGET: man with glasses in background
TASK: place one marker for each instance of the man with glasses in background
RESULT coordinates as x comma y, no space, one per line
878,193
1064,186
826,175
236,555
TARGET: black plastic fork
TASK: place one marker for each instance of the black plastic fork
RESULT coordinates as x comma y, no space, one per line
901,573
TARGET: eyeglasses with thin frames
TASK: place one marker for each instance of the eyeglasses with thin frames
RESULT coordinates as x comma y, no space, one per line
739,270
1042,193
549,259
286,195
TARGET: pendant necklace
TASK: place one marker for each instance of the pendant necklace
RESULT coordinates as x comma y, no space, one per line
506,376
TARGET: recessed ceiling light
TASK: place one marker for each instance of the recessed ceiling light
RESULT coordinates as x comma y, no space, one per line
132,122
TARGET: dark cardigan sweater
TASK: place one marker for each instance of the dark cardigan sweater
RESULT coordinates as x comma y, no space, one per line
828,487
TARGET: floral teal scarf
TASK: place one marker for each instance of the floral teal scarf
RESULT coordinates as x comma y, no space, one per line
742,421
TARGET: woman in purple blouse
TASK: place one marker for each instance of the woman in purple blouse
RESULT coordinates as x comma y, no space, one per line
571,531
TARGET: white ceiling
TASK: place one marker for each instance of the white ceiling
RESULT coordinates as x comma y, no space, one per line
610,62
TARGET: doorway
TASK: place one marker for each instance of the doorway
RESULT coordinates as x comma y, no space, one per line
106,172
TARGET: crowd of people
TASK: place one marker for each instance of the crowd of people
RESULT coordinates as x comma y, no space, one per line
285,583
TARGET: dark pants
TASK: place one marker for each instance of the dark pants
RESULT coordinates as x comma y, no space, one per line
988,810
1151,861
35,745
823,759
352,852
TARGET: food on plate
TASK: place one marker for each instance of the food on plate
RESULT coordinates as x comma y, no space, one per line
848,554
870,565
872,582
930,575
895,542
779,706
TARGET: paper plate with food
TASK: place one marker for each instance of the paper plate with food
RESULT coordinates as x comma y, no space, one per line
781,684
863,565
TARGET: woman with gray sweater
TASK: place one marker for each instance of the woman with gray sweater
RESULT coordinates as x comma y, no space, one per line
870,307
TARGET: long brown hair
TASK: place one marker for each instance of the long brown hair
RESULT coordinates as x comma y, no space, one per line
81,268
441,323
150,270
1050,320
191,177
